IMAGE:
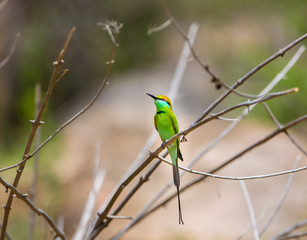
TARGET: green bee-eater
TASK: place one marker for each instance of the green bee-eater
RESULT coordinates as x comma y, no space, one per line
167,126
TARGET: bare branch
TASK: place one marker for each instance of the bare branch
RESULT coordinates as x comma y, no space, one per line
286,132
35,126
85,222
250,209
159,28
13,47
7,235
240,81
83,110
295,170
285,233
282,199
181,66
39,212
32,194
111,26
202,178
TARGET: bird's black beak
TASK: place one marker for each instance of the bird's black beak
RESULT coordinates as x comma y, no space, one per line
154,97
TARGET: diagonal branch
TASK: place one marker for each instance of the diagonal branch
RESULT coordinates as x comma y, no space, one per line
221,166
12,49
35,126
282,199
240,81
100,224
245,112
250,209
286,132
219,83
38,211
177,78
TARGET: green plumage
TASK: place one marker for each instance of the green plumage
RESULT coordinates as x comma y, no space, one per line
167,126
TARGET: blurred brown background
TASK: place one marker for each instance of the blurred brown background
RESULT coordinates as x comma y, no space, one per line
233,37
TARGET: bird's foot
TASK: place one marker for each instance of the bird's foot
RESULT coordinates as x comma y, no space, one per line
183,139
163,145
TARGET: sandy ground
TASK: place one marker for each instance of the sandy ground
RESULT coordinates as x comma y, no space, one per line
122,121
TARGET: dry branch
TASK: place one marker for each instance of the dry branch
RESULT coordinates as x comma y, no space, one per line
250,209
295,170
13,47
38,211
35,126
202,178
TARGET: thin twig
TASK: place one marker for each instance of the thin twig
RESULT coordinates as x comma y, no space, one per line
32,194
246,111
99,224
283,234
205,66
99,175
159,28
294,236
13,47
250,209
221,166
35,126
250,226
177,78
38,211
295,170
282,199
286,132
240,81
83,110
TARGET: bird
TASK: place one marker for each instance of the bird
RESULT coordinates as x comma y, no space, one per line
167,126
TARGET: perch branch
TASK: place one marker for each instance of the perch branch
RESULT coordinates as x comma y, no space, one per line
177,78
268,88
200,179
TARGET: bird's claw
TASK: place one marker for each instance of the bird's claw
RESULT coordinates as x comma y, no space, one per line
163,145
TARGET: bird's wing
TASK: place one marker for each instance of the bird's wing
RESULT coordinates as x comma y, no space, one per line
176,127
175,123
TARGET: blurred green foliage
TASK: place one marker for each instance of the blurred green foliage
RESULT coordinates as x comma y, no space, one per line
44,25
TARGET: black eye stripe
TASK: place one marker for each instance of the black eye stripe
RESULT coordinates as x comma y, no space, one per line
164,100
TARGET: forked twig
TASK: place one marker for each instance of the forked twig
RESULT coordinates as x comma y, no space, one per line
35,126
